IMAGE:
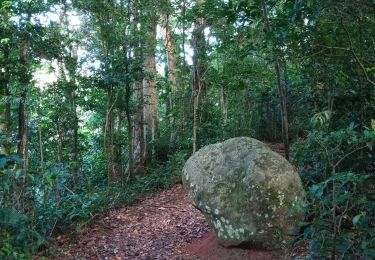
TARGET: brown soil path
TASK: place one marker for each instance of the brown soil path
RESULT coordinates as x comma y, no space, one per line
164,225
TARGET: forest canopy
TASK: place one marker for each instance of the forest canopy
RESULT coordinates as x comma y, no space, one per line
103,101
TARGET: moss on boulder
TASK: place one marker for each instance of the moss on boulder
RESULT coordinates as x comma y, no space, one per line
246,191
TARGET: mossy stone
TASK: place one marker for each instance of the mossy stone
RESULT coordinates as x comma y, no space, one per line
246,191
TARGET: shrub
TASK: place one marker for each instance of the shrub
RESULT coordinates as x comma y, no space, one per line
336,168
32,212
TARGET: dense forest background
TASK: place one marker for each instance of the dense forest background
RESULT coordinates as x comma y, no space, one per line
102,101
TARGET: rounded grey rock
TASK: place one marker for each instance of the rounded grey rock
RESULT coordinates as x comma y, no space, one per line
246,192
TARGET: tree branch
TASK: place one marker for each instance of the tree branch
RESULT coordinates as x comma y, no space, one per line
360,64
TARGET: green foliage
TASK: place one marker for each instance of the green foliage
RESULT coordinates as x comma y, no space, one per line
340,217
46,206
322,153
88,114
336,170
16,235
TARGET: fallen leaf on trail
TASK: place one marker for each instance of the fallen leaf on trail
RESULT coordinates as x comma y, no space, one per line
144,232
140,231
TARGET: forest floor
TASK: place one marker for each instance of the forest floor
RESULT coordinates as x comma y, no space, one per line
163,225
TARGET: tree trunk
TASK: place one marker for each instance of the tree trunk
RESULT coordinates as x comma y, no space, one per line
70,64
198,43
5,106
129,120
117,149
150,94
75,155
41,149
183,39
5,113
127,87
138,134
4,119
22,148
3,128
8,120
281,86
224,105
170,49
112,148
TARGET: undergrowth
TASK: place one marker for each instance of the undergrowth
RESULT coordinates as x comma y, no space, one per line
337,170
37,207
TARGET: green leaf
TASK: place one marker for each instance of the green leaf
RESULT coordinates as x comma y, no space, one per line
317,190
3,162
4,40
16,158
357,218
19,173
49,180
31,177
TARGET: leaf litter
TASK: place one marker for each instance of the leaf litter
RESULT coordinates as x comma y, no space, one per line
163,225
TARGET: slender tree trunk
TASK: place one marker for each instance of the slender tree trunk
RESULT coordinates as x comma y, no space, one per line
41,149
75,156
61,141
171,70
281,86
8,120
3,128
22,148
112,148
71,65
171,52
117,148
129,120
224,105
139,133
151,119
59,122
4,119
127,87
5,106
185,101
198,43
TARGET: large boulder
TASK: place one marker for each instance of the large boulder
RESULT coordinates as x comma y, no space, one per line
246,192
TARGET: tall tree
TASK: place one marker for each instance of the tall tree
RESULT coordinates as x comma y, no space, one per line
22,148
8,34
127,47
151,118
138,130
281,85
68,66
172,76
5,106
198,44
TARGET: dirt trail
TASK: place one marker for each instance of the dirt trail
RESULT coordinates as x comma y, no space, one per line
164,225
